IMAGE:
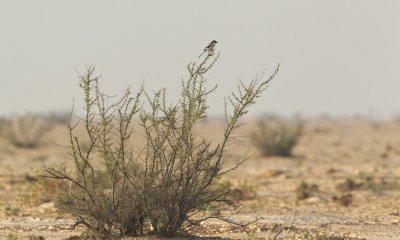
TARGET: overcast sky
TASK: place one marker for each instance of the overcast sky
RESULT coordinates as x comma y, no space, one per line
338,57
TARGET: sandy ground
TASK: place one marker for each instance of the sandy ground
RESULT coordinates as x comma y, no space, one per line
330,152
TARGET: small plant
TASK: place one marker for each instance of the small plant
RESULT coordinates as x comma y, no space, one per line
33,237
12,211
11,236
42,190
165,186
25,131
367,182
252,235
244,191
348,185
344,199
276,136
306,190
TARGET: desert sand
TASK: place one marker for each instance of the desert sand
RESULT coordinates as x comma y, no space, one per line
353,163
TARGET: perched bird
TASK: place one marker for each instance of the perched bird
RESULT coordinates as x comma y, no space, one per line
210,47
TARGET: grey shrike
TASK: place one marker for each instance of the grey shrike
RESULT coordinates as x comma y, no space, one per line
210,47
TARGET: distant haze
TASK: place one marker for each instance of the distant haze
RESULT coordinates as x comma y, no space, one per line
337,57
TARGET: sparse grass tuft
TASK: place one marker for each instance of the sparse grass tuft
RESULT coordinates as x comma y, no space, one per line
344,199
367,182
33,237
306,190
244,191
277,136
42,190
348,185
11,236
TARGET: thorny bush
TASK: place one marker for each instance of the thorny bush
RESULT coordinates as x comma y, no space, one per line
115,189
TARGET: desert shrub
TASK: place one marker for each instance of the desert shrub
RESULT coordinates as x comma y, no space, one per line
25,131
57,117
276,135
167,184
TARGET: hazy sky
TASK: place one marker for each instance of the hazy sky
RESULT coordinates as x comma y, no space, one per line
337,57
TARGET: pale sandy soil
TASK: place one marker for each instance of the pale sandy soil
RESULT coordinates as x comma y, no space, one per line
329,152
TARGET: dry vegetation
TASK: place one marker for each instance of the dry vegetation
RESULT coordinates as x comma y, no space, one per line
26,131
276,135
117,189
139,168
303,196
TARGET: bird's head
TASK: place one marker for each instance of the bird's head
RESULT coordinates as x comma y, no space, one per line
213,41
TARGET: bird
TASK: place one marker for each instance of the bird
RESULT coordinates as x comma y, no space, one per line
210,48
